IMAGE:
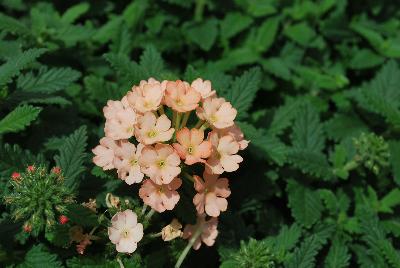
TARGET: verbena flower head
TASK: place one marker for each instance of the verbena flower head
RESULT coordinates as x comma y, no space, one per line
39,198
125,232
159,134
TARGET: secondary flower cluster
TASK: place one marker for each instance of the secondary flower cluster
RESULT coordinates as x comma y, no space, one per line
148,140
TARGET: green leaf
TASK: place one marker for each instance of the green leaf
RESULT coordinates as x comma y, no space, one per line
301,33
243,91
365,58
19,118
305,204
72,156
304,256
74,12
48,80
15,64
233,23
284,115
39,257
310,162
307,131
134,12
265,34
394,148
338,256
204,34
13,25
389,201
342,126
151,62
288,237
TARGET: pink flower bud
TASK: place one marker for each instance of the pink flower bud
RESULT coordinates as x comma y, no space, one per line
63,219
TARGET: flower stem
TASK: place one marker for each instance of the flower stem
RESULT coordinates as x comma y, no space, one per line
199,124
199,9
185,119
178,120
161,110
204,126
187,176
144,208
148,215
121,265
188,246
155,235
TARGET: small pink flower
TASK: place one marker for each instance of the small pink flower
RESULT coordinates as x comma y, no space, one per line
125,231
63,219
121,120
181,97
160,163
211,194
16,176
160,197
56,170
236,133
31,168
105,153
191,146
223,156
217,112
152,130
147,96
128,162
203,87
208,231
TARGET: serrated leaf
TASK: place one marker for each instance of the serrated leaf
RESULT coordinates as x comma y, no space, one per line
310,162
288,237
19,118
338,255
284,115
243,91
233,23
304,256
74,12
204,34
394,148
389,201
48,80
15,64
151,62
72,156
13,25
39,257
305,204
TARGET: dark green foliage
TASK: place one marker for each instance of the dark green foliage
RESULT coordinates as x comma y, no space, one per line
316,85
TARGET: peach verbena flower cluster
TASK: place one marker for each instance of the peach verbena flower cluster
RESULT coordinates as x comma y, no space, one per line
148,140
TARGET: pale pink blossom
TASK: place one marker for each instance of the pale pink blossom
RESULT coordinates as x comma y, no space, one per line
160,197
128,162
211,194
217,112
208,231
180,96
120,120
160,163
125,231
192,146
203,87
151,129
147,96
224,154
236,133
105,153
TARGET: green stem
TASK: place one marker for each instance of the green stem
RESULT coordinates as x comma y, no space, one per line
188,246
198,12
144,208
148,216
204,126
121,265
187,176
178,120
155,235
185,119
199,123
350,165
161,110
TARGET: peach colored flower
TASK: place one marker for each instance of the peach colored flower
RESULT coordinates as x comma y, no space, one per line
105,153
236,133
191,146
150,129
147,96
203,87
223,156
211,194
181,97
208,231
172,231
120,120
125,231
160,163
160,197
128,162
217,112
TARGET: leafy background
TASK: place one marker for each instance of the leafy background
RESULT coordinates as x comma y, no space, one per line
316,85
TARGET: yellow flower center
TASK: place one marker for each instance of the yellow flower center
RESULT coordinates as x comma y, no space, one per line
134,162
161,163
151,133
179,102
147,104
213,118
125,233
190,150
129,129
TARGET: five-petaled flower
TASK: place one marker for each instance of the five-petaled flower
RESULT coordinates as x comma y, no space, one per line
105,153
147,96
151,130
206,231
192,147
125,232
181,97
217,112
127,162
211,194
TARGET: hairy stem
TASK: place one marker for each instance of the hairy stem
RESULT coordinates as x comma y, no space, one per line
198,12
199,123
187,176
185,119
144,208
148,215
193,239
